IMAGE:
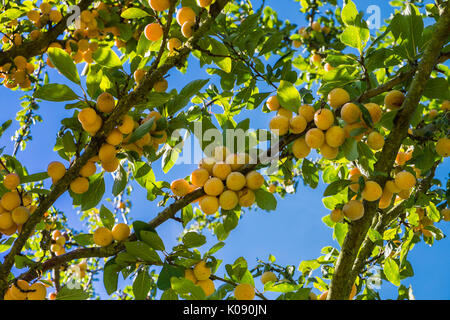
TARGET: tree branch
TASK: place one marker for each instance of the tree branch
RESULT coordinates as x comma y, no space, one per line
343,279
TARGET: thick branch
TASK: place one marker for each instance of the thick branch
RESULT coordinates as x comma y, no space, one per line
343,279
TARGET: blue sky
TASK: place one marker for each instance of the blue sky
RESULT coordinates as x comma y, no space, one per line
293,233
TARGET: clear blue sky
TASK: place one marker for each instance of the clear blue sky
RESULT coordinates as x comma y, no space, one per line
292,234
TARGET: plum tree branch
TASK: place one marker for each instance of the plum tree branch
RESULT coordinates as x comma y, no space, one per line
343,277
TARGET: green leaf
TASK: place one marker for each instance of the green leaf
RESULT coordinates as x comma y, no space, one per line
185,286
349,13
340,230
350,148
34,177
265,200
141,131
193,240
336,187
169,294
437,88
84,239
391,271
185,95
95,192
168,271
64,63
143,251
218,48
288,96
55,92
72,294
107,217
141,284
152,239
355,37
134,13
106,57
111,276
120,182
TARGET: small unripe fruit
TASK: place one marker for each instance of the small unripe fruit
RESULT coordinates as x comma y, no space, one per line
244,291
338,97
354,210
120,232
103,237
